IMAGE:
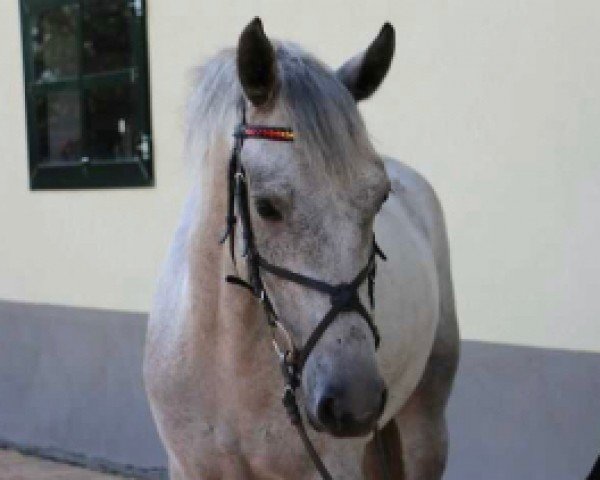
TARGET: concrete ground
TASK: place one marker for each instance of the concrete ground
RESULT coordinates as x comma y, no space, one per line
14,466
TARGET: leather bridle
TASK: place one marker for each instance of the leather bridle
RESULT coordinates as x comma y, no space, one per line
344,296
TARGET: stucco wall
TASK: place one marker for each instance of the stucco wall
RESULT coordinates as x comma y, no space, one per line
497,103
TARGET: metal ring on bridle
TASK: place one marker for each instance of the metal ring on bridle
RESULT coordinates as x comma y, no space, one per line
281,352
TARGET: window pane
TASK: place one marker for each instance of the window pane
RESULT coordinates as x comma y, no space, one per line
58,126
54,43
106,35
111,130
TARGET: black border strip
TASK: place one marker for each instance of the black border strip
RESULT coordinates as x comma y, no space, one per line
96,464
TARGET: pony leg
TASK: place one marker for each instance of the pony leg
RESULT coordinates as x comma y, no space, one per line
421,421
424,439
175,472
416,451
387,455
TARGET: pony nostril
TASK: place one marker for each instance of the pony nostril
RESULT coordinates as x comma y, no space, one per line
326,412
343,414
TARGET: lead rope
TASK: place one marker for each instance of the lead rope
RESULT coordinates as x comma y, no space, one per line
291,407
344,297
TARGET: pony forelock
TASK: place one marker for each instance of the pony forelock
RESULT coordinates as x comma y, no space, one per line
324,116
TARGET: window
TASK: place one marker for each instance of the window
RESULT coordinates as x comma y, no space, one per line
86,80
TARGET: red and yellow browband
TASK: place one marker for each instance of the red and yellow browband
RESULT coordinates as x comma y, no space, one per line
280,134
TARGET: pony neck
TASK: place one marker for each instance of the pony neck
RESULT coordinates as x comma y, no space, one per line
227,317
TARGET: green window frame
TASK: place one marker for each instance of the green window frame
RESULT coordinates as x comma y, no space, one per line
87,104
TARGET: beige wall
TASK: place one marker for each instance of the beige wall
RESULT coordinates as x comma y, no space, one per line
498,103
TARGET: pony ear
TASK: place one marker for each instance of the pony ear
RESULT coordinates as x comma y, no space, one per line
256,64
363,73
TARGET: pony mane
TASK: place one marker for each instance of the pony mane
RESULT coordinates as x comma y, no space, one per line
321,111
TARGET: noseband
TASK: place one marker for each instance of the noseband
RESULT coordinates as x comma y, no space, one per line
343,297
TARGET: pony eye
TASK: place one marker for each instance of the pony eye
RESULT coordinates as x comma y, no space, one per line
267,210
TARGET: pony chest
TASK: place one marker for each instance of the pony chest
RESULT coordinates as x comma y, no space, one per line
264,449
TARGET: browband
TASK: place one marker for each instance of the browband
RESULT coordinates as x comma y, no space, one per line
278,134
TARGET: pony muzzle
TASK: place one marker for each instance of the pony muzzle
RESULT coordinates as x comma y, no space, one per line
348,409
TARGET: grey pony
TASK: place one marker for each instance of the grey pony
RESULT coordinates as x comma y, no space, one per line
210,373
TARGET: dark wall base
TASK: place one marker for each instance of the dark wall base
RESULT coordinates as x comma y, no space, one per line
71,390
70,381
521,413
96,464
